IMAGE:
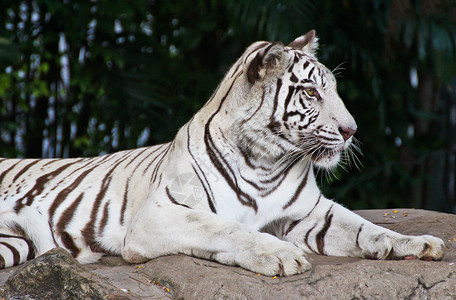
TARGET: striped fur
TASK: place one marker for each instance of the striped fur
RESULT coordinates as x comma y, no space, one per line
236,185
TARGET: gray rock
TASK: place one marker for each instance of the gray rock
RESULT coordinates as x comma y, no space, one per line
56,275
191,278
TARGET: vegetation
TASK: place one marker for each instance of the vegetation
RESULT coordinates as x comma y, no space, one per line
82,78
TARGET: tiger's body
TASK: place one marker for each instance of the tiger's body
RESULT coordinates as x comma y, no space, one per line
250,152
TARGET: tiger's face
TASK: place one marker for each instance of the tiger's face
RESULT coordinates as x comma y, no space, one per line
294,108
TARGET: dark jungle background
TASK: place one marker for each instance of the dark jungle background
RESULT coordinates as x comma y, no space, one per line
83,78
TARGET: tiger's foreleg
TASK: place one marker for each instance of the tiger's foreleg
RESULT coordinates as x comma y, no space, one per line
331,229
158,231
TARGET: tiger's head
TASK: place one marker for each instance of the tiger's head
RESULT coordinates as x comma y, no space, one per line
291,105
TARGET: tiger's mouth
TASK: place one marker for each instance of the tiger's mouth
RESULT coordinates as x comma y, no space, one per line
323,153
318,150
324,156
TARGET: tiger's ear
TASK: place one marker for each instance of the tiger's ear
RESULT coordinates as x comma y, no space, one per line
267,58
307,43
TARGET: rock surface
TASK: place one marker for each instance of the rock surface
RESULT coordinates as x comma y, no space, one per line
56,275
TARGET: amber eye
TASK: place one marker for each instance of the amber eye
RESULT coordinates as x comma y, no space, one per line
310,91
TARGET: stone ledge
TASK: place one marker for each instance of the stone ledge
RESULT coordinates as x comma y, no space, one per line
180,276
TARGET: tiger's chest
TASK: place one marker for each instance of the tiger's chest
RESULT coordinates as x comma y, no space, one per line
259,197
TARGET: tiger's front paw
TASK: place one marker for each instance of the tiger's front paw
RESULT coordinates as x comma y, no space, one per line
284,261
270,258
423,247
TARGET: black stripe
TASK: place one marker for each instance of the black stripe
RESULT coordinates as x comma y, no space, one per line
318,201
171,198
305,80
238,64
254,184
159,179
209,200
291,90
2,175
16,255
104,219
311,72
64,220
296,113
124,202
299,189
69,244
305,65
276,99
24,169
357,235
292,226
320,237
50,161
306,238
293,78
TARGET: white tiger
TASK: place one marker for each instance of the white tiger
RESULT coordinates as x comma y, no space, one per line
250,152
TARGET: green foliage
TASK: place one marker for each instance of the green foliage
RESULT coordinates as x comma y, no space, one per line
83,78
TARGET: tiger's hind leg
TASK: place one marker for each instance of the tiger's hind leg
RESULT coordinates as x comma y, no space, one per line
14,249
175,229
23,235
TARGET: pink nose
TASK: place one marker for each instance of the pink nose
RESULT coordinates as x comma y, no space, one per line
346,132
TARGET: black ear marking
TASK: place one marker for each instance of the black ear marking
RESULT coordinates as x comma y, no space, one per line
266,58
254,67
